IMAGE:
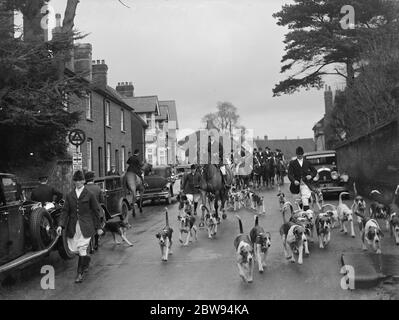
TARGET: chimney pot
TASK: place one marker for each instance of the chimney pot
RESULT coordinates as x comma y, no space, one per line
98,61
102,61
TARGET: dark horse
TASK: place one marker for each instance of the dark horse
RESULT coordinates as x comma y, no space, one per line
268,171
212,183
281,171
257,173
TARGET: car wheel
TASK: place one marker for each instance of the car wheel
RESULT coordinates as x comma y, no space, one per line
63,249
41,229
125,211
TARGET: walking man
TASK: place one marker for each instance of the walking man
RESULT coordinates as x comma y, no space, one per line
301,173
81,220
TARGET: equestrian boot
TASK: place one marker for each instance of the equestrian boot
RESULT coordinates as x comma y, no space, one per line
79,276
86,263
96,237
195,208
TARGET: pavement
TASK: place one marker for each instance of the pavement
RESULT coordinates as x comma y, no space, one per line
205,269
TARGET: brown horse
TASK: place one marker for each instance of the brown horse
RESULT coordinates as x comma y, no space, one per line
212,187
131,183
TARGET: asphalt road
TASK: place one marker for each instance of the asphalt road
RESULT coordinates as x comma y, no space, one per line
205,269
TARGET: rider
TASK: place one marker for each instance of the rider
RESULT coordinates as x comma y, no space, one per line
215,156
190,186
45,193
135,165
279,155
301,172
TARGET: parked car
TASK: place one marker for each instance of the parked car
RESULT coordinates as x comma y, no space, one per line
329,179
27,228
117,202
159,184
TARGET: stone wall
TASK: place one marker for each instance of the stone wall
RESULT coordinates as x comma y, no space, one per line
372,160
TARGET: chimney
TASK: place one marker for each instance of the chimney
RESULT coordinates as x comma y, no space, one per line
82,60
328,101
125,89
100,70
266,138
6,21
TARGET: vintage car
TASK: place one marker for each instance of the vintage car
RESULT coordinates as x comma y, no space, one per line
27,228
117,202
159,184
328,178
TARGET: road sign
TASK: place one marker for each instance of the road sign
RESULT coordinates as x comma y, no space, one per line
77,137
77,161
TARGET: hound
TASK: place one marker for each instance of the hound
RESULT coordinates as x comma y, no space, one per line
281,199
244,254
323,228
187,223
345,215
117,228
261,242
371,235
294,239
210,222
358,207
165,239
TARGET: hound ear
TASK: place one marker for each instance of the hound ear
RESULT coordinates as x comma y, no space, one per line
158,235
380,233
307,231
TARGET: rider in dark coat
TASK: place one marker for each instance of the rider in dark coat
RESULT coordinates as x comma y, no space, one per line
135,164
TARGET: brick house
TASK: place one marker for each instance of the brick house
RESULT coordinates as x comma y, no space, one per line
112,128
161,119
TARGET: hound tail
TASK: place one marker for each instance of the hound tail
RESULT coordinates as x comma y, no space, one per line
354,188
167,217
287,204
240,224
256,220
340,196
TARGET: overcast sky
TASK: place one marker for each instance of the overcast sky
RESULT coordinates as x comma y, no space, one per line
199,52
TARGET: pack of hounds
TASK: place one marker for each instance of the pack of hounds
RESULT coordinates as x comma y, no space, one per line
299,225
297,229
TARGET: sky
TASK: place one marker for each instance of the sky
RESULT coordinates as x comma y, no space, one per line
200,52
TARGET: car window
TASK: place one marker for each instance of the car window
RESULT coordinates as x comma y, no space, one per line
10,189
109,184
322,160
117,183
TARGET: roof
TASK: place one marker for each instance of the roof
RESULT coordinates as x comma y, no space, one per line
147,104
164,113
320,123
171,104
287,146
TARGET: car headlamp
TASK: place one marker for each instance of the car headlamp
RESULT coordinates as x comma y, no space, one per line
334,175
344,177
316,178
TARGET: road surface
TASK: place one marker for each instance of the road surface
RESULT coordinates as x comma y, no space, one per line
205,269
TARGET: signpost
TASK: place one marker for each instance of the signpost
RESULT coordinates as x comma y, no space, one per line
77,137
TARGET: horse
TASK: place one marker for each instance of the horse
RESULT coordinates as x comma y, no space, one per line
257,173
212,183
280,171
131,183
268,171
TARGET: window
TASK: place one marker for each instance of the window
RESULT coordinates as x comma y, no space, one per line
100,161
116,160
162,157
123,165
89,106
108,155
149,156
107,113
122,120
89,154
